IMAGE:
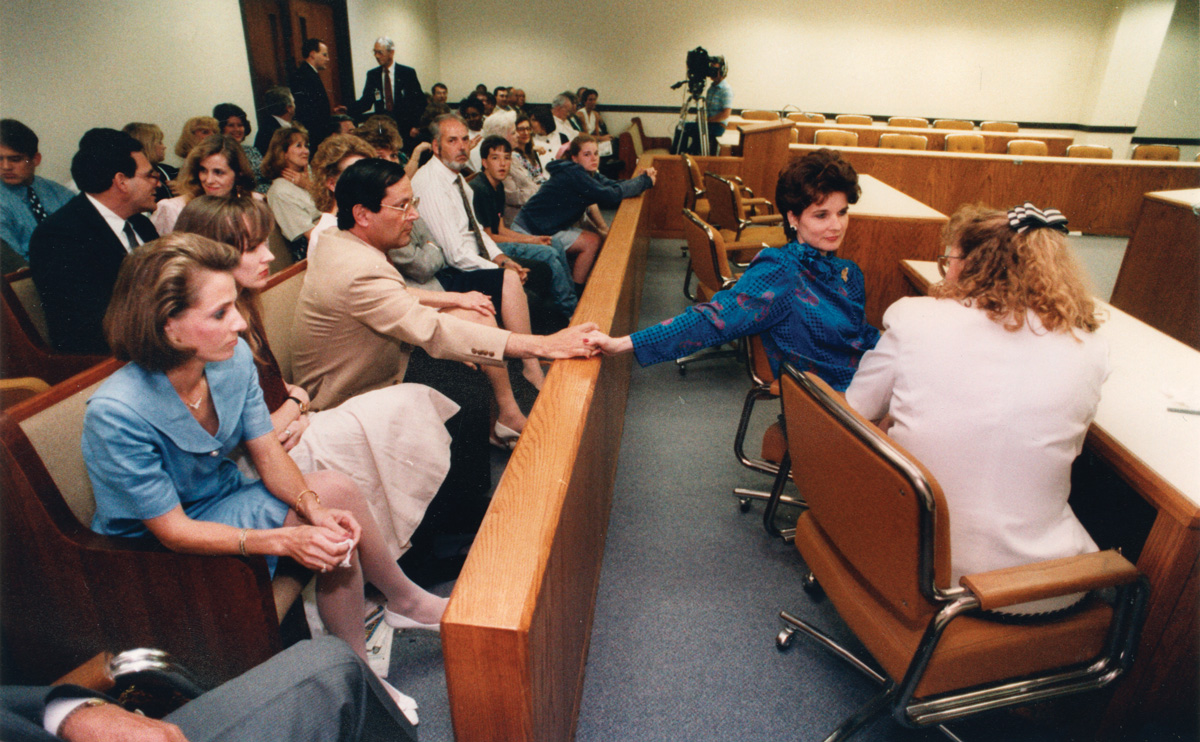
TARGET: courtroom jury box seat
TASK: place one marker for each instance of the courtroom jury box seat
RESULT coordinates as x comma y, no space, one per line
1028,148
758,115
1094,151
836,138
903,141
855,119
1165,152
953,124
633,143
911,122
808,118
965,143
1009,126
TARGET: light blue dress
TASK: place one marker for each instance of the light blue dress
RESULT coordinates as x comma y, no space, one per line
146,453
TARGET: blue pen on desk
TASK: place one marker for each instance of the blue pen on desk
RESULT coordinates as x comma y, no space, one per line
1184,410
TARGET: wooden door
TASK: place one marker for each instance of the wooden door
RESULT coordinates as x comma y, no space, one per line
276,29
315,20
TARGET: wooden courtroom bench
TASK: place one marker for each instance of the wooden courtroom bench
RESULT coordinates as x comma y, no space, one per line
1159,281
633,143
68,592
1097,196
516,633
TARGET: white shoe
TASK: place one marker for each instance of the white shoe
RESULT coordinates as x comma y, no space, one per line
400,621
406,704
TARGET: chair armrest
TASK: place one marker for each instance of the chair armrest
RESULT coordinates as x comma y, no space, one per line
1049,579
767,219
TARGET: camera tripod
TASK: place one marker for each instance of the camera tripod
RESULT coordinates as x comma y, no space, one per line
696,104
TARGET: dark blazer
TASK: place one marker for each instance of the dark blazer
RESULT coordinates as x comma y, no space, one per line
74,258
22,709
312,103
267,126
408,100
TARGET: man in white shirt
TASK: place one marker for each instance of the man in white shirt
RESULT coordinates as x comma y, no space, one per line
472,257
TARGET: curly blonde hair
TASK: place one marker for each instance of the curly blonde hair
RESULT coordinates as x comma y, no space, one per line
1007,274
187,139
188,180
325,165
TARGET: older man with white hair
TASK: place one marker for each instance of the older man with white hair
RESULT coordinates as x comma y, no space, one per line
392,89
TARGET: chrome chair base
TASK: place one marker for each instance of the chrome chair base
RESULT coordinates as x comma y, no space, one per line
774,499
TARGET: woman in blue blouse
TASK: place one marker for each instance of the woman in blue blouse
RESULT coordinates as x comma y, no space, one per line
806,303
157,432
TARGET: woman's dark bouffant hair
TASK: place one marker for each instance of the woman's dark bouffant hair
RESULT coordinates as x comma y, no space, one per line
158,281
810,180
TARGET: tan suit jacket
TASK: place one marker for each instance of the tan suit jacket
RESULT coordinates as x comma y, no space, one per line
356,323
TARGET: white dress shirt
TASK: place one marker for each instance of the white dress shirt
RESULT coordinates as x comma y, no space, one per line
442,211
115,223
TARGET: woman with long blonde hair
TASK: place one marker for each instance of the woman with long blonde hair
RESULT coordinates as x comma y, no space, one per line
992,382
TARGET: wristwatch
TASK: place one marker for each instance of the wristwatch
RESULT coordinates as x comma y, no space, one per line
302,405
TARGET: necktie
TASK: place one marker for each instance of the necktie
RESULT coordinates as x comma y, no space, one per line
130,235
35,205
458,181
387,88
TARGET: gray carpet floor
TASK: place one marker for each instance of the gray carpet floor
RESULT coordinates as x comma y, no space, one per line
682,645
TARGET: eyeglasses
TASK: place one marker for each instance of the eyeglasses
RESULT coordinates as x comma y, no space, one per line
407,209
943,262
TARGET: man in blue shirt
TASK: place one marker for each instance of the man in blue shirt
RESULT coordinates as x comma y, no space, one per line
25,199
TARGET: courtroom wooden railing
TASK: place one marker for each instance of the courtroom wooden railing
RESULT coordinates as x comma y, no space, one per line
515,636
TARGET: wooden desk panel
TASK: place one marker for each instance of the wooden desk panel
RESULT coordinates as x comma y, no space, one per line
1154,451
665,200
1097,196
515,635
1159,281
995,142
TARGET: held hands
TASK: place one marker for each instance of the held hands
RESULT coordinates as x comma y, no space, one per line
653,173
571,342
609,346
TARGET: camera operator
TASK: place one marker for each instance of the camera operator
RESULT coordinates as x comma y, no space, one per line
718,99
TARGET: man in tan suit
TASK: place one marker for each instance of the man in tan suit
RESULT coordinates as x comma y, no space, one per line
356,324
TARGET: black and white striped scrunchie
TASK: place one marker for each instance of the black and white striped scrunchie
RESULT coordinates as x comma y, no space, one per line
1027,217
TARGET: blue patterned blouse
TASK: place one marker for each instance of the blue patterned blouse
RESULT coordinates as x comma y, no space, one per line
807,305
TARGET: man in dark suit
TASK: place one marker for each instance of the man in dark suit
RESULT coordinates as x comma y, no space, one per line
308,90
279,108
76,252
315,690
393,89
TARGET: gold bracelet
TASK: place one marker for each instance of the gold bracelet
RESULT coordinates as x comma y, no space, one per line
300,497
242,541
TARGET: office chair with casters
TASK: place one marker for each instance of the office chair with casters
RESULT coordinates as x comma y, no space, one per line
911,122
835,138
731,212
941,657
954,124
708,255
854,119
965,143
1028,148
1165,152
1094,151
774,456
1008,126
903,141
695,200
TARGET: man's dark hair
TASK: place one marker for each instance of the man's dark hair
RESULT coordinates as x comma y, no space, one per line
469,102
437,85
365,182
18,137
492,143
486,96
276,100
222,112
102,154
496,90
309,46
544,117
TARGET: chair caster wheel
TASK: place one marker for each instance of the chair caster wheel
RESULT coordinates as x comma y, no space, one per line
812,587
783,640
744,504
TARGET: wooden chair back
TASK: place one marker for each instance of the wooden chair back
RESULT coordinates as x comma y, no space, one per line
1008,126
1094,151
903,141
807,118
835,138
1164,152
706,251
854,118
871,499
911,122
965,143
953,124
1028,148
760,115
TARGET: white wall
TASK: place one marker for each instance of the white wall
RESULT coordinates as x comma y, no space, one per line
412,24
70,66
1122,71
1172,105
975,59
